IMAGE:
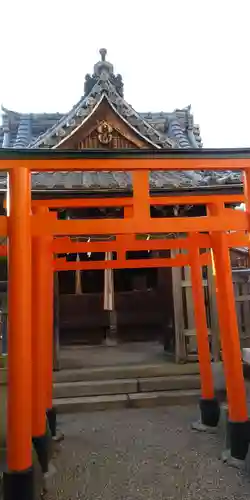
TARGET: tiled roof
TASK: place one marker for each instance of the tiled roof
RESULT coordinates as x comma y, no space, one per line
92,181
162,130
23,133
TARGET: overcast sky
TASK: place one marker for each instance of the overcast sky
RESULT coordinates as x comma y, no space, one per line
171,53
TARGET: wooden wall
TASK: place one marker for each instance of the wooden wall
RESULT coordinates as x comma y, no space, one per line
140,316
239,258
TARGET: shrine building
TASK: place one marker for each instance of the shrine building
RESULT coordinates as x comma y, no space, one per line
124,304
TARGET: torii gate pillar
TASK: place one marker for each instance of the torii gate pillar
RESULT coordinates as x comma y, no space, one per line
18,482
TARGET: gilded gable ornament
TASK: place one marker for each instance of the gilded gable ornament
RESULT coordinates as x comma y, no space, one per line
105,132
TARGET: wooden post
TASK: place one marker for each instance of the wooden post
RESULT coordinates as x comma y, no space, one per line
42,341
39,354
39,344
210,412
231,353
215,335
43,326
109,304
247,197
49,329
191,340
207,388
180,347
78,276
18,482
56,350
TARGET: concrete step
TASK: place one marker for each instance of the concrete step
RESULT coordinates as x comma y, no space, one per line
125,386
170,383
94,388
118,401
126,372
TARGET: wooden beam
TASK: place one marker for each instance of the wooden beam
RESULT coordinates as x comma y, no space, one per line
66,245
43,225
128,201
128,243
83,161
60,264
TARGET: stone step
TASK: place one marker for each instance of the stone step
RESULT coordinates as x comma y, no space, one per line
94,388
170,383
119,401
126,372
125,386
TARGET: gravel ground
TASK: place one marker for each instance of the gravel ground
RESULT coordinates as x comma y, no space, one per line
142,454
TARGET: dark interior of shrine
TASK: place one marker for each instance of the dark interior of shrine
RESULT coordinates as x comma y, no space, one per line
142,301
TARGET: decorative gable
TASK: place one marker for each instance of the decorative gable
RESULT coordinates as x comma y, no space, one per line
104,128
104,136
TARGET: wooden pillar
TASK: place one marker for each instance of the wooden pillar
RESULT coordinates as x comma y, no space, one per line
49,329
214,326
109,303
180,342
42,340
78,276
39,355
43,325
231,352
207,386
209,406
18,483
39,343
246,179
191,340
228,325
56,350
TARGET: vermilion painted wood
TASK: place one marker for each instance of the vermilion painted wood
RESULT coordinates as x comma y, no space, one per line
42,226
129,243
127,202
124,164
42,327
39,344
66,245
228,326
207,384
60,264
19,418
3,225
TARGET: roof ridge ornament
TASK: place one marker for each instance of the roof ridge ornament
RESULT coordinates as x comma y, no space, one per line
103,73
103,53
103,67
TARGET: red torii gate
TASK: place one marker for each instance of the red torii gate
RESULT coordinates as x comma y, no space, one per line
30,229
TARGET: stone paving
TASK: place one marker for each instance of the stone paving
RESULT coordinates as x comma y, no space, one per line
142,454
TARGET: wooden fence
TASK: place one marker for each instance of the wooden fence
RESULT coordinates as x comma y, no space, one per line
186,344
242,301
